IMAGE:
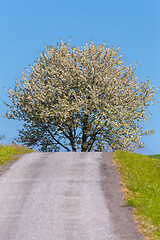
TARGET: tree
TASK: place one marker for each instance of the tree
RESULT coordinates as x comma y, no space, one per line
2,137
81,98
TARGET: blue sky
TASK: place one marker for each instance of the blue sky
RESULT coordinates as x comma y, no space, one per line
133,24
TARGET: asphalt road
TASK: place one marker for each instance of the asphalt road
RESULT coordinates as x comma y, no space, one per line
64,196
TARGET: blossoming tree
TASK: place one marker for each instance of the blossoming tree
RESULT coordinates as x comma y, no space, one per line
81,98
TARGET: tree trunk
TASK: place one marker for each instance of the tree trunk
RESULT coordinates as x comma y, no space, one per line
84,135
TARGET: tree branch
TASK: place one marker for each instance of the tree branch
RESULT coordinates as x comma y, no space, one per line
56,139
72,140
92,140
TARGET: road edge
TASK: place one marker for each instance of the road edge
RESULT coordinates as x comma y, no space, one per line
123,219
7,165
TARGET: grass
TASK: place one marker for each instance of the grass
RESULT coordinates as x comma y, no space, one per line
154,156
141,176
8,151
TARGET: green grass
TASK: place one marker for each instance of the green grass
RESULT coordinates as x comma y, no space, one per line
8,151
141,176
154,156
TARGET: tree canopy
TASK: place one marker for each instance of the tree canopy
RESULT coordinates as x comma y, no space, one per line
81,98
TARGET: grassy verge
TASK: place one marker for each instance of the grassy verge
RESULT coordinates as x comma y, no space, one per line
140,175
8,151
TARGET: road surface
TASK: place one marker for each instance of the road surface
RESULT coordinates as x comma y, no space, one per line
64,196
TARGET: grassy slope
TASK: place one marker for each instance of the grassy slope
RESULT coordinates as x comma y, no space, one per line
8,151
154,156
141,176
